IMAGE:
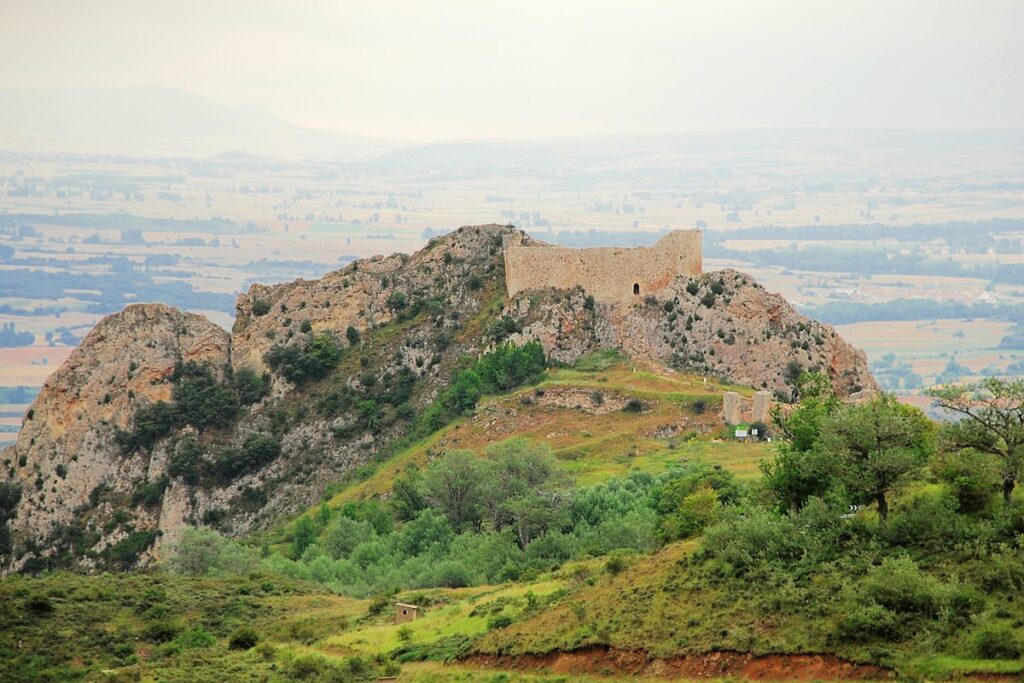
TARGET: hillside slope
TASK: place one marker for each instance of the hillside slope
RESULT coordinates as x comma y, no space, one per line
160,420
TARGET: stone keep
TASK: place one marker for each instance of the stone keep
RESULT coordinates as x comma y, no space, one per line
732,410
762,407
610,274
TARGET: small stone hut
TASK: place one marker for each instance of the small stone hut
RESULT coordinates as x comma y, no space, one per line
405,612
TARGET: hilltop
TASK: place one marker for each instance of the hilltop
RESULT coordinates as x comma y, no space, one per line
160,420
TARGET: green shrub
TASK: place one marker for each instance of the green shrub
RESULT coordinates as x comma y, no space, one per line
898,585
506,367
151,423
312,361
396,301
200,400
260,307
352,335
39,605
972,478
249,386
184,461
441,650
195,637
243,638
696,511
929,521
197,399
150,493
379,605
161,631
633,405
453,574
996,641
901,587
498,621
755,541
503,328
615,565
869,622
258,451
126,552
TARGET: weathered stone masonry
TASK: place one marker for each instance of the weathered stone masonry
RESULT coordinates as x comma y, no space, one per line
609,274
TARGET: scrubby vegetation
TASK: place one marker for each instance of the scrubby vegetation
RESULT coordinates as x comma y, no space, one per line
872,533
466,521
312,360
198,400
506,367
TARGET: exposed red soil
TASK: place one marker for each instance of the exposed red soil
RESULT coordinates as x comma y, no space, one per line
608,661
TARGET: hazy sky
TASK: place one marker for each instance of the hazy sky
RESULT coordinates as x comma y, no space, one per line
487,68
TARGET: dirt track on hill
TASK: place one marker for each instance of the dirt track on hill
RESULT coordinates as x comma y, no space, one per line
606,661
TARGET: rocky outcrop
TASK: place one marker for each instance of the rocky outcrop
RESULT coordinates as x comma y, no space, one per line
721,323
65,449
86,497
371,292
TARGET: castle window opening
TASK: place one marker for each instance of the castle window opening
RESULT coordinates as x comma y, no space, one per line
636,289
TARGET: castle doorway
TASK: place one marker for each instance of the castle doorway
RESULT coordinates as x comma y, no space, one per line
636,289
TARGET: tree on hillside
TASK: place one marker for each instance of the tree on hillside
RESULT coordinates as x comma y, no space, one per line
522,489
799,470
881,445
454,485
992,421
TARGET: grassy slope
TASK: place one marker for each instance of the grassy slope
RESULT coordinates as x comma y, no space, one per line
592,445
107,619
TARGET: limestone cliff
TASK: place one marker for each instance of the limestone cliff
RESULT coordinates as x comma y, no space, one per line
119,450
65,450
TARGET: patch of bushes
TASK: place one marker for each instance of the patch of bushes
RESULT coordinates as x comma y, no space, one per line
197,399
249,386
633,405
503,328
258,451
243,638
260,307
310,361
441,650
125,553
506,367
996,641
161,631
498,621
150,493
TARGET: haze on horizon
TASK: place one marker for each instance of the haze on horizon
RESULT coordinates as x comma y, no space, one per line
430,71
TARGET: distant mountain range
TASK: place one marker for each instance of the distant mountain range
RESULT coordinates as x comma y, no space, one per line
172,122
163,122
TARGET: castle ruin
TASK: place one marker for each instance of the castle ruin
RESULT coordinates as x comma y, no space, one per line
609,274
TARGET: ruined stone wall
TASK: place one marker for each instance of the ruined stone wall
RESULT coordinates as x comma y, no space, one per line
609,274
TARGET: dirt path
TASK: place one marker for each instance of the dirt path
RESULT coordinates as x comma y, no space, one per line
608,662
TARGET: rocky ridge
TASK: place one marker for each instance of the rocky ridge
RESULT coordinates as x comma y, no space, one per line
402,324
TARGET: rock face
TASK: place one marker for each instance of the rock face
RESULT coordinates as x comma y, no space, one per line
87,500
721,323
65,448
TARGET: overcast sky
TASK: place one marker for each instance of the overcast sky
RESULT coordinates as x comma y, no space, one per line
423,70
